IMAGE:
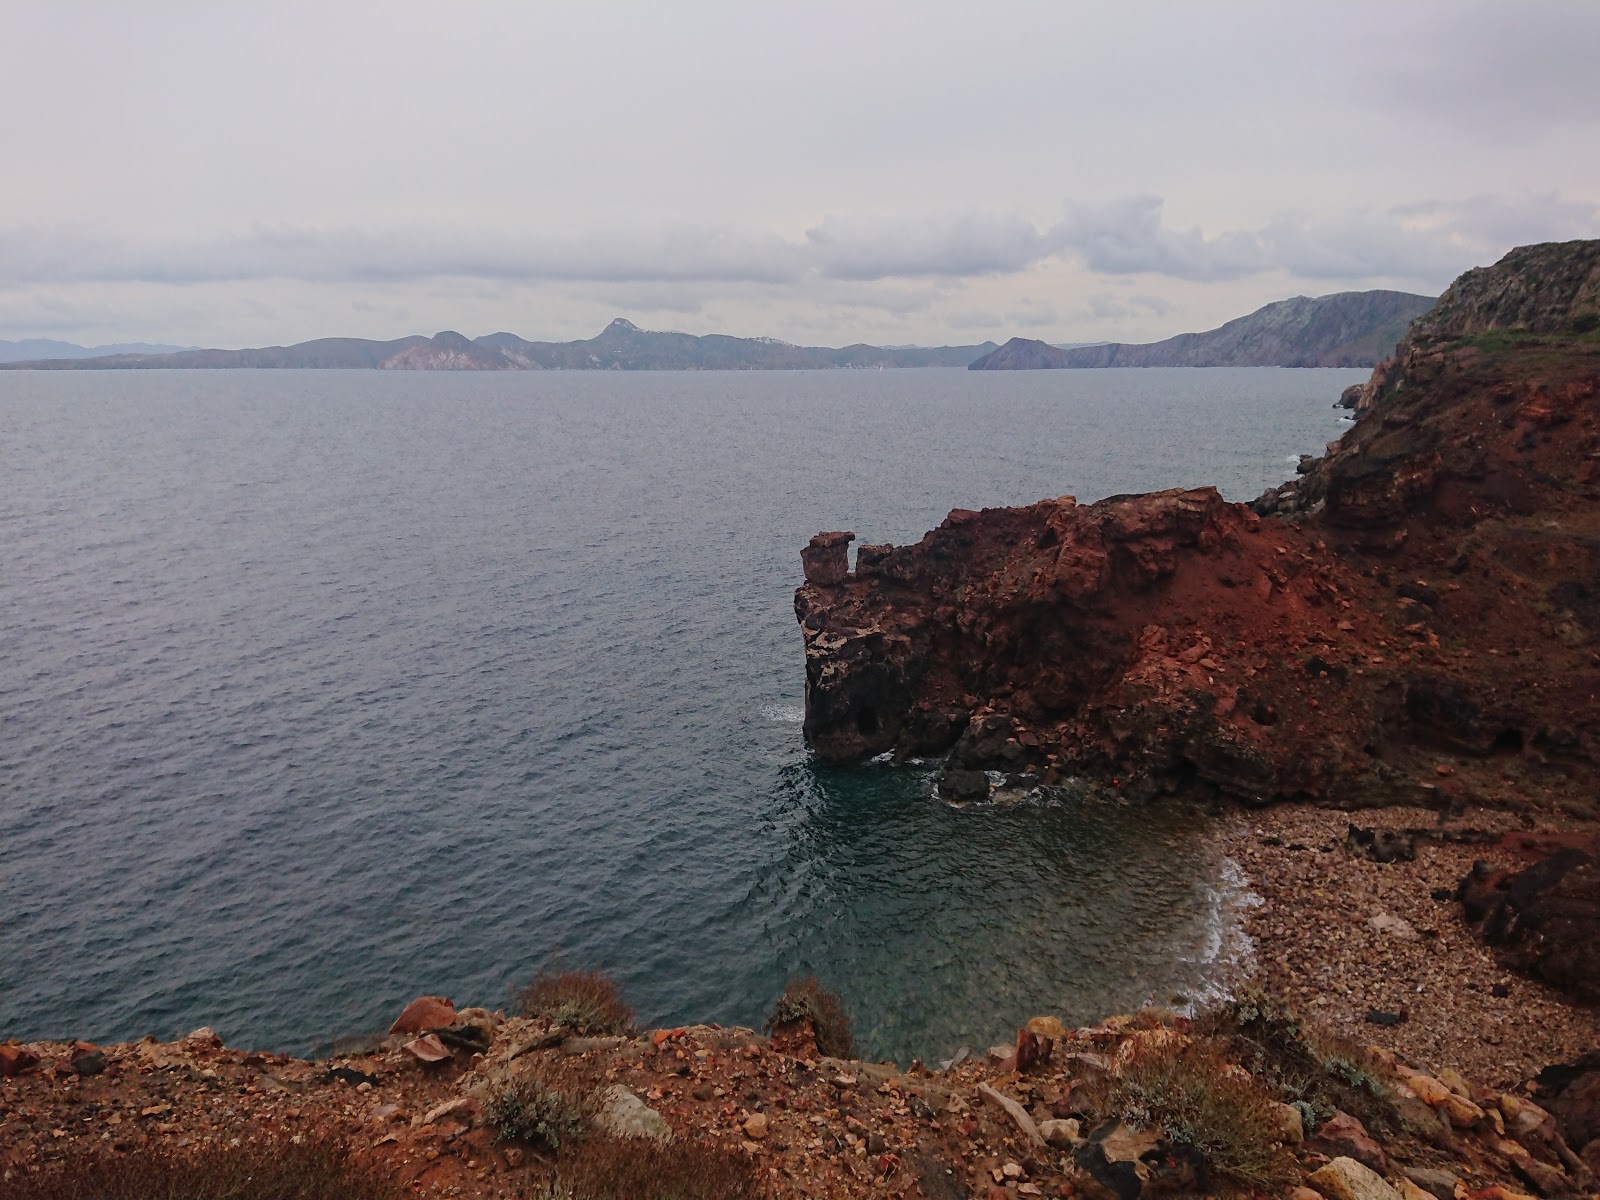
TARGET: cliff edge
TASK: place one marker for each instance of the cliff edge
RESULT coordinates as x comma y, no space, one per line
1414,620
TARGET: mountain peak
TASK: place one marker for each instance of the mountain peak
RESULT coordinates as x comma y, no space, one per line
623,325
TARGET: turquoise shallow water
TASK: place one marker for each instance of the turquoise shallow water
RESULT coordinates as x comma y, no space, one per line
325,689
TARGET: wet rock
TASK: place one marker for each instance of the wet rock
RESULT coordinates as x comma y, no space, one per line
1347,1179
424,1015
623,1114
963,787
826,558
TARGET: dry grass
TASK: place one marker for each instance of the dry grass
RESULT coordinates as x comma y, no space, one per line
1316,1070
588,1001
537,1109
267,1168
1192,1096
605,1168
806,999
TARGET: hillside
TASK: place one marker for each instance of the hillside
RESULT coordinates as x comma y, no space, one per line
33,349
621,345
1350,329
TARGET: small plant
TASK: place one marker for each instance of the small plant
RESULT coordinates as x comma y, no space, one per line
267,1168
605,1168
807,1000
587,1001
1192,1096
1314,1069
538,1110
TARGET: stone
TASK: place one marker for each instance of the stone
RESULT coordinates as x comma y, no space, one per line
1015,1111
1545,920
1397,927
1063,1133
826,558
424,1015
204,1038
87,1060
623,1114
427,1050
1546,1179
1050,1027
1381,845
1291,1124
1571,1093
14,1060
1346,1179
957,786
1342,1136
464,1107
1303,1193
1410,1191
755,1126
1439,1184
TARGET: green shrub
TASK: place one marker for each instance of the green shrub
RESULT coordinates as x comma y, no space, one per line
539,1110
587,1001
264,1168
806,999
1187,1092
606,1168
1313,1068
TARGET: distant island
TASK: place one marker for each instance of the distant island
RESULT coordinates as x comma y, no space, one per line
34,349
620,346
1350,329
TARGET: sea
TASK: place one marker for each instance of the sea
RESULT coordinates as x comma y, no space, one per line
320,690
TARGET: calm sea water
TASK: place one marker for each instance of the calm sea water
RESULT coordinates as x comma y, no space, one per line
319,690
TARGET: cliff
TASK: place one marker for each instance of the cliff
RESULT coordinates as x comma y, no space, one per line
1350,329
621,346
1421,624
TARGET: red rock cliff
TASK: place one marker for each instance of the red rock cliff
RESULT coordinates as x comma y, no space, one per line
1431,586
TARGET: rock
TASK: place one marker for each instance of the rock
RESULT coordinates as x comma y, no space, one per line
464,1107
1342,1136
1127,1163
1291,1124
424,1015
87,1059
1303,1193
1381,845
963,787
427,1050
204,1038
826,559
1439,1184
1062,1133
623,1114
755,1126
1394,926
1570,1092
1347,1179
1015,1111
1376,1016
1049,1027
1410,1191
1546,1179
1350,396
14,1060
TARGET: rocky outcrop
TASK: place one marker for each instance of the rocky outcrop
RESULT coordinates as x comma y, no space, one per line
1436,588
1545,919
1349,329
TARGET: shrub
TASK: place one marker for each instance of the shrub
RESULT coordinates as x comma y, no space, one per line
806,999
605,1168
537,1109
1313,1068
587,1001
265,1168
1187,1092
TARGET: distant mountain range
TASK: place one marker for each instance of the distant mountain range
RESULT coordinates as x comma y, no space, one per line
33,349
1349,329
622,345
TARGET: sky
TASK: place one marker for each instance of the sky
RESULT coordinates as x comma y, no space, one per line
228,173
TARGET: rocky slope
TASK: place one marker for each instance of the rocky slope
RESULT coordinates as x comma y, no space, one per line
1350,329
622,346
1432,586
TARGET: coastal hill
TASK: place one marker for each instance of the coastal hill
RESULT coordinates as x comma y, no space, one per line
1350,329
621,345
34,349
1428,588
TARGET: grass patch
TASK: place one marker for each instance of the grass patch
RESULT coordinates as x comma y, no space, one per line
806,999
588,1001
605,1168
1185,1090
538,1110
267,1168
1317,1071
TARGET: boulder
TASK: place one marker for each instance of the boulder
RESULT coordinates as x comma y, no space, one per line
1439,1184
1291,1124
1346,1179
1381,845
424,1015
622,1114
1545,920
1571,1093
826,558
1342,1136
14,1060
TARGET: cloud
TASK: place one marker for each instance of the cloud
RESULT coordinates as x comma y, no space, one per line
1427,243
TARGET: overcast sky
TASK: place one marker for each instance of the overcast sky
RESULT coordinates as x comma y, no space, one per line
227,173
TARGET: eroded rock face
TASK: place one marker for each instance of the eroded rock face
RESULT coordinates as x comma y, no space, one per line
1434,589
1545,920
